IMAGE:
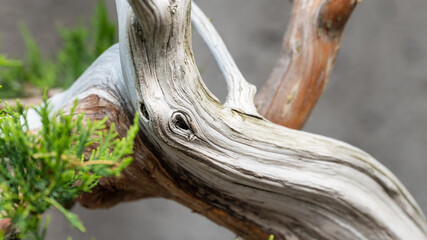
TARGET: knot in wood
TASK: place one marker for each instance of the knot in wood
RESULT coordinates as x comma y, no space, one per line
144,112
180,123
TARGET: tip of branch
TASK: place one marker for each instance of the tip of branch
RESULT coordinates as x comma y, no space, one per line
333,16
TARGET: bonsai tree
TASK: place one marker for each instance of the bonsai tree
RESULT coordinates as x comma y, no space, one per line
239,163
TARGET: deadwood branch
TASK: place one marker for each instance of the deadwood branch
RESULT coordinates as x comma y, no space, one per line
226,162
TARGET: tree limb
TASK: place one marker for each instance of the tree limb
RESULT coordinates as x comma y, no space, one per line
309,50
241,93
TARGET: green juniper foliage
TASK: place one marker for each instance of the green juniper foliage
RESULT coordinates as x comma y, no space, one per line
81,46
48,169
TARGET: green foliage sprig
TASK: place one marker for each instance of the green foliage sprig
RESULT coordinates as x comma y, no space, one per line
81,46
47,168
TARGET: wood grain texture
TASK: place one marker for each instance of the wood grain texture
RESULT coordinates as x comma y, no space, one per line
240,93
309,50
243,172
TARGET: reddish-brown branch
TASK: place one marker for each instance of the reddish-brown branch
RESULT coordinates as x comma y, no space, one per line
309,49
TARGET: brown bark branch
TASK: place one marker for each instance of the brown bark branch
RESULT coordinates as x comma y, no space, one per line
309,50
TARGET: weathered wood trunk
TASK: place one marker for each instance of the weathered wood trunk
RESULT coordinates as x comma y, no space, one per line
227,162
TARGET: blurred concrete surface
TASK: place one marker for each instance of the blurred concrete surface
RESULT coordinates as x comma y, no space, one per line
376,98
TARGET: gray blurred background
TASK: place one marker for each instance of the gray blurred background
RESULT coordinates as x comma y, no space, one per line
376,98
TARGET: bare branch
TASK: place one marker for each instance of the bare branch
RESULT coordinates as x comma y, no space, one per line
240,93
310,47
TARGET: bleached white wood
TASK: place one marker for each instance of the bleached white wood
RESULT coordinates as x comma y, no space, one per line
240,93
293,184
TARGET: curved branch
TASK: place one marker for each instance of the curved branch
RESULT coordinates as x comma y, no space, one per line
240,93
309,49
